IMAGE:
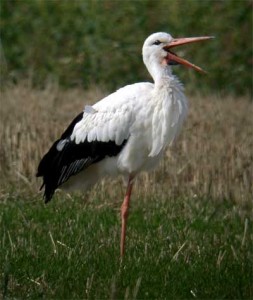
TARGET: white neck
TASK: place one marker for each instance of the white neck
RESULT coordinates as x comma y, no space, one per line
162,74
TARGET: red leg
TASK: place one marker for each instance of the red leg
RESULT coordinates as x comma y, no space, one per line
124,215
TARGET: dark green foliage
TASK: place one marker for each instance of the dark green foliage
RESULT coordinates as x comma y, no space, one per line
176,249
84,42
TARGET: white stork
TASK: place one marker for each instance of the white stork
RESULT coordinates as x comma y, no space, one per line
124,133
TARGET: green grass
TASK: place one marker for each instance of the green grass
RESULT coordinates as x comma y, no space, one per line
178,248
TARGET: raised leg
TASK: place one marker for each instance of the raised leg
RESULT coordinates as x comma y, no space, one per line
124,215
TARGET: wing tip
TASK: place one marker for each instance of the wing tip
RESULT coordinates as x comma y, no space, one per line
48,194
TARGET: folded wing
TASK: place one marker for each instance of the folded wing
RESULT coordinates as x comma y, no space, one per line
92,136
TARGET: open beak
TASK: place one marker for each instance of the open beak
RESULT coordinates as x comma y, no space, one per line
173,59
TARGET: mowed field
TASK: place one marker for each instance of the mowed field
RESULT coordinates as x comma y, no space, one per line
190,225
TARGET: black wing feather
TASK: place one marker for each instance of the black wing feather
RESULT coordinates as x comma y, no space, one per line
57,166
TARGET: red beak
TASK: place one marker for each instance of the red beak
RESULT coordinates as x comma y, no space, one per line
172,58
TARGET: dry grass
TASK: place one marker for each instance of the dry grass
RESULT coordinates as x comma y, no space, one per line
213,155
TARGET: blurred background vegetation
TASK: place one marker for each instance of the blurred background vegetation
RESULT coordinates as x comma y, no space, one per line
79,43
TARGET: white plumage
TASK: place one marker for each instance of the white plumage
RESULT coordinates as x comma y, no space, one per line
126,132
137,114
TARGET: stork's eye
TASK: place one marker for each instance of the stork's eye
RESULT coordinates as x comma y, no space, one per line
157,42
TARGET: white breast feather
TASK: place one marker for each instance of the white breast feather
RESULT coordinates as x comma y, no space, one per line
169,113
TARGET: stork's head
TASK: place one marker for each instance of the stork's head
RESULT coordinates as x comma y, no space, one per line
157,52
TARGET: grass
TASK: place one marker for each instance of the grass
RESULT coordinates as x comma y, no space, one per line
176,248
190,224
